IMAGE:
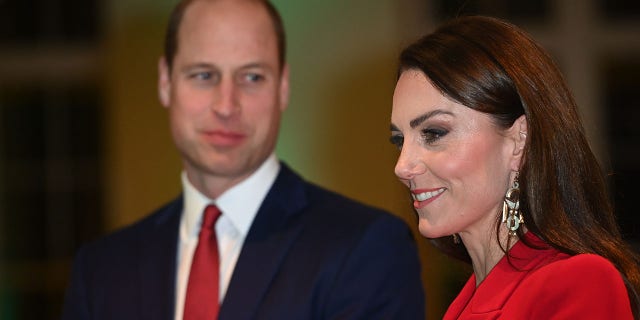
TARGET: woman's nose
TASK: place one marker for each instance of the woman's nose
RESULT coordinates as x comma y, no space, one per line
409,165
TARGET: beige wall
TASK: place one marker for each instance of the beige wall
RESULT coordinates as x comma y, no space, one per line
142,169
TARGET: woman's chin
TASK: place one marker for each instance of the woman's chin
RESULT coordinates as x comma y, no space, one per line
428,231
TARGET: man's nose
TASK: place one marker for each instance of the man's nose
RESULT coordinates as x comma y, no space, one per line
226,103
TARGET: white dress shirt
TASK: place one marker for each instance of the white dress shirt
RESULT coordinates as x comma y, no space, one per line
239,206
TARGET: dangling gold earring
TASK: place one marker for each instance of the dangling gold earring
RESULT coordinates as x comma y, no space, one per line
456,238
511,215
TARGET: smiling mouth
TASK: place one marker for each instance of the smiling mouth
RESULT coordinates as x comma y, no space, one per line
424,196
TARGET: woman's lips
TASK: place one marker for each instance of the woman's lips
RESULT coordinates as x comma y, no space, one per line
423,197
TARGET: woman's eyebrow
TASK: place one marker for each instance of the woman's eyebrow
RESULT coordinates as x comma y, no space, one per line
422,118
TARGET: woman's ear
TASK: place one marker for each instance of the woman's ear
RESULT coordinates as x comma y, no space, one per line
518,133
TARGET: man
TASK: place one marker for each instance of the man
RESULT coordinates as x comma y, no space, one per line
285,249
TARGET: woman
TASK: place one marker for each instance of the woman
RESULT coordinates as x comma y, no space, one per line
495,155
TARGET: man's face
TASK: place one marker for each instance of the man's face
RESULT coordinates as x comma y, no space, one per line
225,93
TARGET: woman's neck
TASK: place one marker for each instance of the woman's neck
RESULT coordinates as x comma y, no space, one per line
485,251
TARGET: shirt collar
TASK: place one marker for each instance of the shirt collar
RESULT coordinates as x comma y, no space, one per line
239,204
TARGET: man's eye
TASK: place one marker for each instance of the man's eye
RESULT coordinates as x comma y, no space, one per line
397,140
204,75
253,77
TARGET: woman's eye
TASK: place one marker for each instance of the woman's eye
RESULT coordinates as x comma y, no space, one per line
432,135
397,140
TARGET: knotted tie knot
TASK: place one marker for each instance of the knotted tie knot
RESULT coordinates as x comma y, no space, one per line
211,215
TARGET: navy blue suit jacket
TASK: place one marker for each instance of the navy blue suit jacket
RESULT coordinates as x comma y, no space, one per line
310,254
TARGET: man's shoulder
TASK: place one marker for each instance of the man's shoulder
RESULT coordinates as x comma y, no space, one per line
328,204
124,237
324,197
336,211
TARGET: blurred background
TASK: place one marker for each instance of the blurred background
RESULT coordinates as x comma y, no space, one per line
85,146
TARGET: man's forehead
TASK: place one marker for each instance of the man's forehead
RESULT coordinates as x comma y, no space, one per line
237,18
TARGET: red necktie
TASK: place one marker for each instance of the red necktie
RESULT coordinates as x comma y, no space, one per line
201,302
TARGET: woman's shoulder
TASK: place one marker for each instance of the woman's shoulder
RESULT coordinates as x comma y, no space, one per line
584,265
582,285
588,275
548,261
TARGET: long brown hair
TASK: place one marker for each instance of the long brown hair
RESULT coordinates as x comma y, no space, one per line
494,67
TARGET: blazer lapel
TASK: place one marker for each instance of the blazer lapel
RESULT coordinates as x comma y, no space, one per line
269,239
157,264
503,280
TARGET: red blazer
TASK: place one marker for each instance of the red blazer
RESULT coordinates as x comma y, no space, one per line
545,284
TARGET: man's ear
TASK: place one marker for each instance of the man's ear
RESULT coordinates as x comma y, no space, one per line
284,87
164,82
518,134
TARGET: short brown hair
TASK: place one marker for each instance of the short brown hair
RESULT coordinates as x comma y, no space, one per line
171,35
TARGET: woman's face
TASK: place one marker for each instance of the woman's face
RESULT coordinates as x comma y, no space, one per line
455,160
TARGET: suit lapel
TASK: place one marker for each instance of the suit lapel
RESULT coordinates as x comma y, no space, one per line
157,264
269,239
